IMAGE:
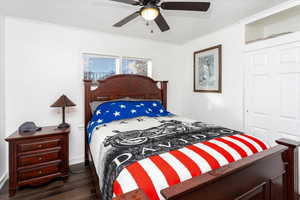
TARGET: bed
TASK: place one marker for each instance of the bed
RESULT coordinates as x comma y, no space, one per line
215,162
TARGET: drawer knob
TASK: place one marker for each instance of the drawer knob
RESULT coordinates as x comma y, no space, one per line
40,158
39,146
40,172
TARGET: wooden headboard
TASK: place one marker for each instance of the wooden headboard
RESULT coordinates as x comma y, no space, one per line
118,86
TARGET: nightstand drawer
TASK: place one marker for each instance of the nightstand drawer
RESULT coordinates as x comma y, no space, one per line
38,158
39,145
38,172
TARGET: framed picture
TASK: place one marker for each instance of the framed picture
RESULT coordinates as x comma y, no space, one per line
208,70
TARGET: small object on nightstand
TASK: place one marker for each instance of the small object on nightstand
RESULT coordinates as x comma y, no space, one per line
63,102
37,158
28,128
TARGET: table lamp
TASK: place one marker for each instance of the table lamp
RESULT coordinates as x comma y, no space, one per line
63,102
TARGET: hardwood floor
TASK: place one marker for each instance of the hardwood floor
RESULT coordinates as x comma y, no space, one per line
77,187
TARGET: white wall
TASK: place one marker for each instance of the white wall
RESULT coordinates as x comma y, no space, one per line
3,149
43,61
224,109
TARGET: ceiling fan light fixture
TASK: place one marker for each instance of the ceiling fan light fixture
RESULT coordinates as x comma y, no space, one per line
150,12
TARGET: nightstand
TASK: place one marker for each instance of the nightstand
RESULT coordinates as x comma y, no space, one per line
37,158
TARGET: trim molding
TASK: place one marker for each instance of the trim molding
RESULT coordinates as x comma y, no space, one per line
76,160
3,179
273,42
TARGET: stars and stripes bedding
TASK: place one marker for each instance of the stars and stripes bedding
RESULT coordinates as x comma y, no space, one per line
118,110
161,171
155,152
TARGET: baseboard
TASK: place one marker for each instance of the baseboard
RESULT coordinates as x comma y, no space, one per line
76,160
3,179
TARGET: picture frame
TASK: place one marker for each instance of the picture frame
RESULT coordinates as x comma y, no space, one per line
208,70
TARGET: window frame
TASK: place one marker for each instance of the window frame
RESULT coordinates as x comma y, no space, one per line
119,61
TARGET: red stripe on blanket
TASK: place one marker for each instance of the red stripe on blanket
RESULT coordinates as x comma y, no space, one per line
221,150
214,164
117,188
241,151
187,162
260,143
168,171
143,180
245,142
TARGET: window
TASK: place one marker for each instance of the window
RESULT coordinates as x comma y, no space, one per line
136,66
99,67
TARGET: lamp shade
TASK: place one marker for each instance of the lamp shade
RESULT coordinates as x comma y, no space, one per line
63,101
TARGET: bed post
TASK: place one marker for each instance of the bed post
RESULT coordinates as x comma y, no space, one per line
87,117
163,87
291,158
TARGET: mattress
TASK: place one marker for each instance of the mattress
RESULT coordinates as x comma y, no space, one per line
153,153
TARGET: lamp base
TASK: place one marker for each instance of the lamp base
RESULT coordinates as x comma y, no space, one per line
63,126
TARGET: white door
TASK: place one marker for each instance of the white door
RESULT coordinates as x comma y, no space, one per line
272,92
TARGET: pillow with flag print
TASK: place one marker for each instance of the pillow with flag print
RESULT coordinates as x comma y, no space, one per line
119,110
154,108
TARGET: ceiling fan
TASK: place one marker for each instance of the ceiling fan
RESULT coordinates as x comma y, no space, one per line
150,10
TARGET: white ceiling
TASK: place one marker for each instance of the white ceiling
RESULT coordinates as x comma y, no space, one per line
102,14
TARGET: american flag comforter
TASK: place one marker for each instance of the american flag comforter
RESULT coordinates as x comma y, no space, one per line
161,171
153,153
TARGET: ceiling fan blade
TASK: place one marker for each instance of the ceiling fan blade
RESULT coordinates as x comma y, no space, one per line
145,2
131,2
161,23
127,19
192,6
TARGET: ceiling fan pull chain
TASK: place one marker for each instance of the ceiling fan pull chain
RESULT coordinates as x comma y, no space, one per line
148,25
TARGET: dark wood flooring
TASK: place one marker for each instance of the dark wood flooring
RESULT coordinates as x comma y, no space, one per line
78,187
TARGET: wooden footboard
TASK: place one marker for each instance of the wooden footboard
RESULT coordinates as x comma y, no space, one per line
268,175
